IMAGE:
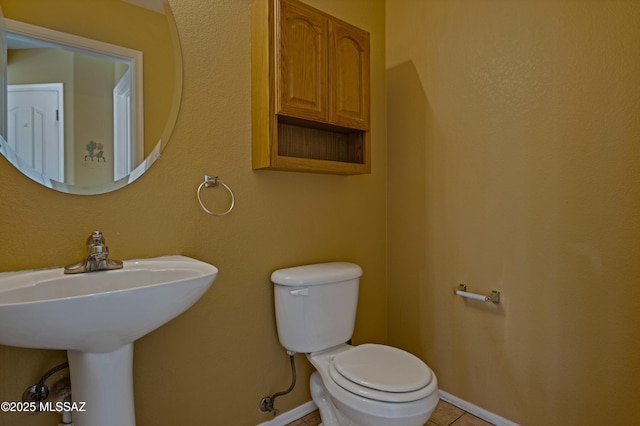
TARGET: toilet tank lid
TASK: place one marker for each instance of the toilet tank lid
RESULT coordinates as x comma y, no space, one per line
319,273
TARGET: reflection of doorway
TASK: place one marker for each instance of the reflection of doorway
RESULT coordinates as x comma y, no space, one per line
35,128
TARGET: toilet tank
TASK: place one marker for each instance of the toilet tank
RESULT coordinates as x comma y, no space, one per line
316,305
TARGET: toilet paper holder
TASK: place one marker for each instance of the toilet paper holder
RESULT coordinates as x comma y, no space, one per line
461,291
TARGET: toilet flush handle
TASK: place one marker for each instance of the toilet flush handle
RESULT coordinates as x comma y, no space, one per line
300,292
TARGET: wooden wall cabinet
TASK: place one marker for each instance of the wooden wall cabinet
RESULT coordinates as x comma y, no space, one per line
310,90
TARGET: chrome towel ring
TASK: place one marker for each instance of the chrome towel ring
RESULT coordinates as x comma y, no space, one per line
212,182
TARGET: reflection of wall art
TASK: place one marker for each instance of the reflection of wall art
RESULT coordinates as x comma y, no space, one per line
95,151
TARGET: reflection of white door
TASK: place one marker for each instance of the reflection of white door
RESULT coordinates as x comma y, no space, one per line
123,152
35,128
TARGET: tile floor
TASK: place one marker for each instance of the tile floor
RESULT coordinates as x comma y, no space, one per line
445,415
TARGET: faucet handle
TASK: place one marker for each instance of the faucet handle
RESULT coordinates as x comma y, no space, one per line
95,238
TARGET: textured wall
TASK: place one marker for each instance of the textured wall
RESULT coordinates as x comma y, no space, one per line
213,364
514,158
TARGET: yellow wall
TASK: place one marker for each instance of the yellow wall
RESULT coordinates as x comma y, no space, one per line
93,92
514,164
212,365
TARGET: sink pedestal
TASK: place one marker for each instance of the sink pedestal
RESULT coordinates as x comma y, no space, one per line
105,382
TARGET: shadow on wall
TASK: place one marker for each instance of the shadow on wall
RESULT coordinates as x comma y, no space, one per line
407,211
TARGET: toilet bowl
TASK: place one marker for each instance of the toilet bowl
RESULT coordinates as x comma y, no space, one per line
364,385
372,385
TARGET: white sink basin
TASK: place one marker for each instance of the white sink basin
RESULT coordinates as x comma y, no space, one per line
98,311
96,317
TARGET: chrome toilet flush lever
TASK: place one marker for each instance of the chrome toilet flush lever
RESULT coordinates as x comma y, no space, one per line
97,258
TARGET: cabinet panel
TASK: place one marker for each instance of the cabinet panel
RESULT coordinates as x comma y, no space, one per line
303,63
349,76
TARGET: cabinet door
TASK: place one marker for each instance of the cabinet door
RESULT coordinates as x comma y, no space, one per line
349,76
302,59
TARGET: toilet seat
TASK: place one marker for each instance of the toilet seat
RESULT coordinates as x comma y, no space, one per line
382,373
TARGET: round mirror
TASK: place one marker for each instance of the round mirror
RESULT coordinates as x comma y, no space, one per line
91,90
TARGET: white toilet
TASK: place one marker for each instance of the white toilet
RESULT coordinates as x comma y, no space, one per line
365,385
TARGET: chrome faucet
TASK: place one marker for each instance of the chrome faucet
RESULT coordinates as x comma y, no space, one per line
97,257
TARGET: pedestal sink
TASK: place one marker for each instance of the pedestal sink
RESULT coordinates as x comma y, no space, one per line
96,317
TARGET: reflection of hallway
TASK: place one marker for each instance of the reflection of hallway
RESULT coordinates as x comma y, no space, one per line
99,102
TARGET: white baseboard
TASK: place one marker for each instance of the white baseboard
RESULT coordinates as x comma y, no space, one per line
475,410
291,415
